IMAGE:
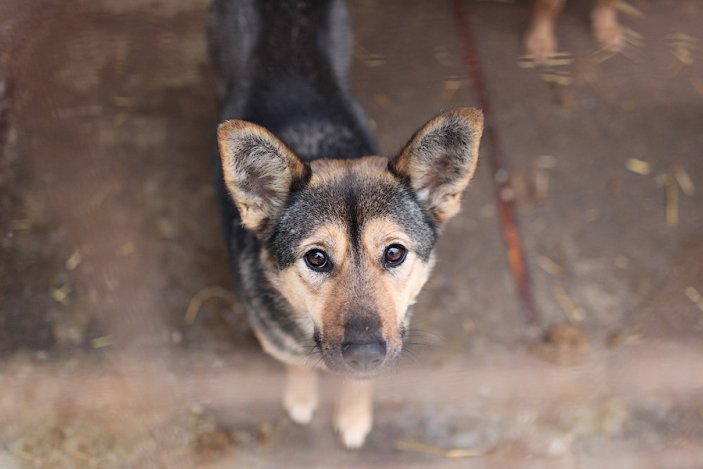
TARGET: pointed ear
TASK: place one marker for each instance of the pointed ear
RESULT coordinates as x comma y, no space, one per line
259,171
440,159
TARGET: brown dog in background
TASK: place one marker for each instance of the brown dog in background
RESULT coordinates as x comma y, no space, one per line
541,42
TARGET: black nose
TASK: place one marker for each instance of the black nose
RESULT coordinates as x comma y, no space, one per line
363,357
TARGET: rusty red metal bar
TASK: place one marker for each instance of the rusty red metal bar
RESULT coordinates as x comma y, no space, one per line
506,207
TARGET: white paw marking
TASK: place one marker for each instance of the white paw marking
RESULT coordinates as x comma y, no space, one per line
300,412
353,431
354,438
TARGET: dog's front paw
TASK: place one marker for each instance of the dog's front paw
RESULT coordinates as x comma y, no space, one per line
354,415
300,411
541,43
353,427
300,395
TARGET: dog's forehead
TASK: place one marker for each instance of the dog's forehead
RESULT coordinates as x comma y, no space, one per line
350,193
327,171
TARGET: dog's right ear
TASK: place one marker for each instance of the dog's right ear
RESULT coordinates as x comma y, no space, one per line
440,160
259,171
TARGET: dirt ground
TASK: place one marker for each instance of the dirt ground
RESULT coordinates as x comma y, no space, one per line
121,344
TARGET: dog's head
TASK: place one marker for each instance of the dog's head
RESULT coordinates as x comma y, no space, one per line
349,242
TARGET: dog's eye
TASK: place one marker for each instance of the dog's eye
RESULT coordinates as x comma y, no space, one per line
394,255
317,260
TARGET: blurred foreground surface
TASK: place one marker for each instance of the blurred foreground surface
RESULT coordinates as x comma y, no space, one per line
111,240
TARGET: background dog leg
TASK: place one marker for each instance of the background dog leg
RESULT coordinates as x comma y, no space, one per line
540,40
300,394
354,415
606,28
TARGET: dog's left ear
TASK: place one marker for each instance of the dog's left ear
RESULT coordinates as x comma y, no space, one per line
440,159
259,171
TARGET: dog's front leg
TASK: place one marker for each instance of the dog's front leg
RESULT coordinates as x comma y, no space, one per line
300,394
354,415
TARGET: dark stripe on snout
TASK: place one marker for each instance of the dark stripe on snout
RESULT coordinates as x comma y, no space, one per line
363,328
352,217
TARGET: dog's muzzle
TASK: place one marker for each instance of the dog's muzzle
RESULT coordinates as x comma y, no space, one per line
363,348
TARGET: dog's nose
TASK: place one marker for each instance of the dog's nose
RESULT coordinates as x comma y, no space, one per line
363,357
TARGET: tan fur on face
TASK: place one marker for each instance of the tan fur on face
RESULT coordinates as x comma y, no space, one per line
396,287
326,171
326,300
308,291
329,300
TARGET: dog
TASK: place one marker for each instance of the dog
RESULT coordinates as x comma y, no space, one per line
541,43
330,244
